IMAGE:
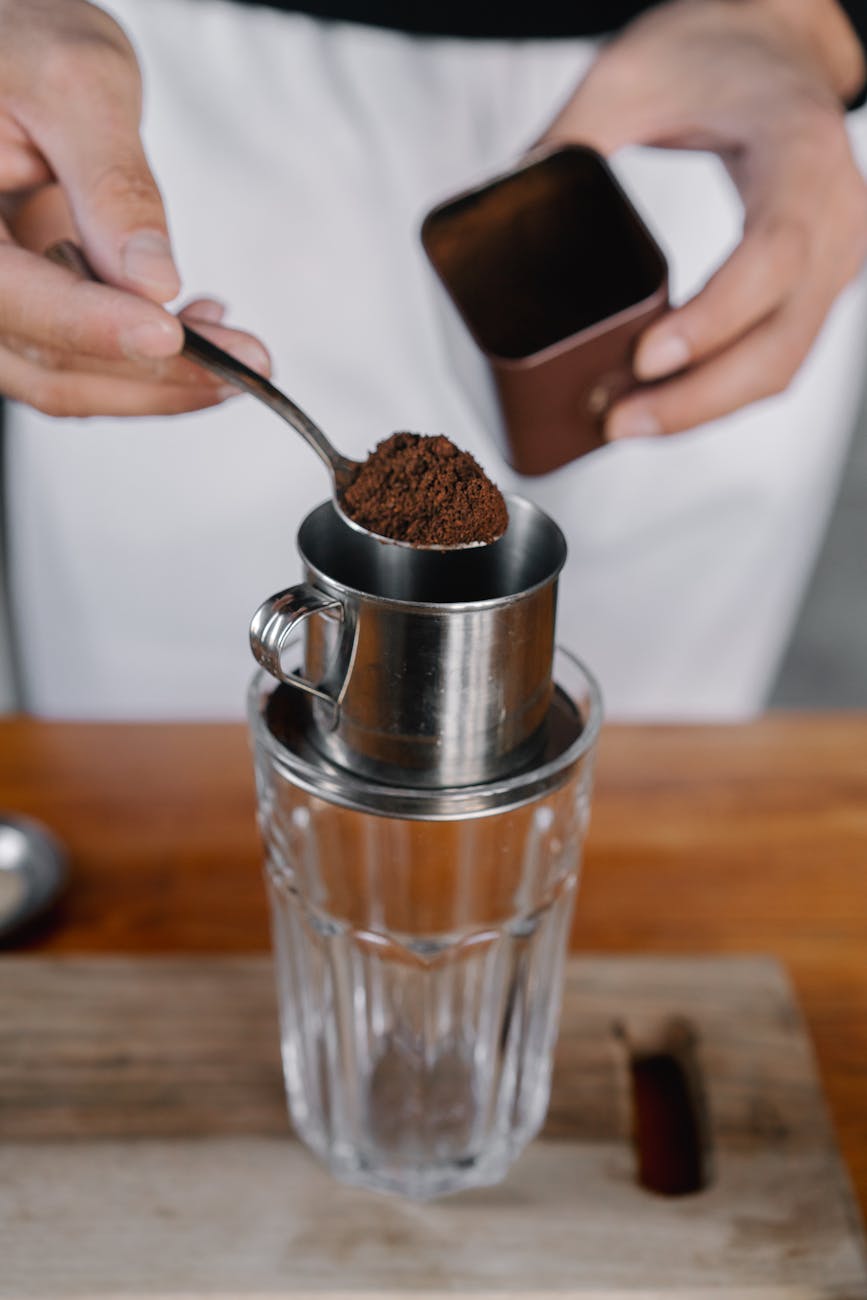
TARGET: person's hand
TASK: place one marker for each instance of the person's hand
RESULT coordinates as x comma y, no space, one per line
72,166
760,83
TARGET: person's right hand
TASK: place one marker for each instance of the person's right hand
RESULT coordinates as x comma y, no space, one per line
72,166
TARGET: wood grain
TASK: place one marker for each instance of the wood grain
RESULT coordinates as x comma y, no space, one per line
704,839
180,1054
159,1047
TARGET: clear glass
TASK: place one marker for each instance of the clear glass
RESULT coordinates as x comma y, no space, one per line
419,970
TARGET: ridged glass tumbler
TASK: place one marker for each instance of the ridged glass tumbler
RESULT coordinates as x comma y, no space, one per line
419,968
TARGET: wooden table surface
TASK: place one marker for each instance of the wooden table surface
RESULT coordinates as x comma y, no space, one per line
704,839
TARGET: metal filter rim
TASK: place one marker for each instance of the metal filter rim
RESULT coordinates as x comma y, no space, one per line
571,737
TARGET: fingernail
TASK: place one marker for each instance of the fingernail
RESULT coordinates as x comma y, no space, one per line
251,353
151,339
210,311
661,356
226,390
632,424
147,259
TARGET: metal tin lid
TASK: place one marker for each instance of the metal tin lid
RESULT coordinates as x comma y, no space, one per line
280,722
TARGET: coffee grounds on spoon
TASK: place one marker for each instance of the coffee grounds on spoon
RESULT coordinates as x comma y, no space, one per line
425,491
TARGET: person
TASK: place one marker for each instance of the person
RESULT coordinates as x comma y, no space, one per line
297,152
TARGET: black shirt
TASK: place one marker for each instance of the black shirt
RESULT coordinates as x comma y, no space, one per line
536,18
465,18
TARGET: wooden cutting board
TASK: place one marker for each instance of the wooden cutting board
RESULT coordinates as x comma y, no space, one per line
145,1152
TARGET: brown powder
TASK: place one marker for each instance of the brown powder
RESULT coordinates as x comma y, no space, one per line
426,491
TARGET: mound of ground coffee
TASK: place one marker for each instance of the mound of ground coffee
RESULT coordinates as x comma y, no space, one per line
426,491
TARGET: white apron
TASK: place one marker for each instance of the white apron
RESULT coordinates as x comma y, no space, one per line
297,159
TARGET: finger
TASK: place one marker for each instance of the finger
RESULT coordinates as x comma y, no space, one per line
95,151
21,163
80,395
203,310
759,365
48,306
582,121
40,218
173,370
623,99
755,280
245,347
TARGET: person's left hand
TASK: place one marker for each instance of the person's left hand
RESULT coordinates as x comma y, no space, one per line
760,83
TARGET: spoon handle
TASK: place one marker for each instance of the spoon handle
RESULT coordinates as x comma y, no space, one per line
221,363
198,348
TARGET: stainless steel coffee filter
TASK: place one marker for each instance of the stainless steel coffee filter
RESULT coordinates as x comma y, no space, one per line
423,668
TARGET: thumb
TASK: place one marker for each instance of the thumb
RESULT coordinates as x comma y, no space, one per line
97,156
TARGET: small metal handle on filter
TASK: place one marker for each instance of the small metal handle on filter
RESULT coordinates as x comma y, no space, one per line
274,622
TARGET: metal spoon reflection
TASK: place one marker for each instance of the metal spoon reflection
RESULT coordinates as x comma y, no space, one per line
33,871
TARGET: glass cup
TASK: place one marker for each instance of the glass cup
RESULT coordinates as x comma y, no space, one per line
419,954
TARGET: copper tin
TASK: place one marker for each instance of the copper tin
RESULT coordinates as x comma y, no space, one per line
555,275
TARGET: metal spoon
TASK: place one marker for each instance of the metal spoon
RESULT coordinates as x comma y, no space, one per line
33,870
213,358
